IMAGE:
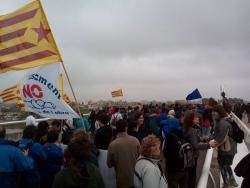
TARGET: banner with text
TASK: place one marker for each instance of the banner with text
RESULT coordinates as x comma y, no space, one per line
41,95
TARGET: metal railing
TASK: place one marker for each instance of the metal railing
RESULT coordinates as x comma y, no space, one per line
22,121
206,171
206,167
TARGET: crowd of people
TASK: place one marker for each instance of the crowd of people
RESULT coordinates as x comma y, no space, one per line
143,147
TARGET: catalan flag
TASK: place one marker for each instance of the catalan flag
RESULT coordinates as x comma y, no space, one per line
26,39
61,90
117,93
12,95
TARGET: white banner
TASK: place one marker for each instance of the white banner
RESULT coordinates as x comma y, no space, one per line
40,93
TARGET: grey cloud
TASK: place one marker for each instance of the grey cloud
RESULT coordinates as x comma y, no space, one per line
153,49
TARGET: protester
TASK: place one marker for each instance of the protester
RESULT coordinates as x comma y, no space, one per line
242,170
31,178
42,131
104,134
122,155
80,172
81,136
137,128
171,124
54,159
13,161
154,122
30,120
177,174
191,134
103,137
227,148
148,172
116,116
207,121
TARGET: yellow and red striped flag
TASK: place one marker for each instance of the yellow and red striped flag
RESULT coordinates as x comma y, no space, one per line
117,93
26,39
61,90
12,95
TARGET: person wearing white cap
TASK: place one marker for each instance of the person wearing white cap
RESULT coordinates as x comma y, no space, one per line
171,124
30,120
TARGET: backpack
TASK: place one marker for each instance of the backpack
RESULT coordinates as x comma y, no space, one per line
186,154
237,134
178,152
158,165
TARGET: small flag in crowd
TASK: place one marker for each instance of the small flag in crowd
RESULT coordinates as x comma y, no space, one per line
26,40
117,93
195,95
12,95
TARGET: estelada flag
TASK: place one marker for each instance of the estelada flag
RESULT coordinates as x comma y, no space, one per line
12,95
26,39
117,93
61,90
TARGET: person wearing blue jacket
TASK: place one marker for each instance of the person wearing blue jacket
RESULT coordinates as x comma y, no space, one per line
31,179
54,159
13,161
171,124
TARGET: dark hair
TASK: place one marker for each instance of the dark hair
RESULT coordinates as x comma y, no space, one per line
2,131
52,136
121,125
188,119
220,110
212,102
138,115
29,132
132,125
227,107
79,152
103,118
79,136
42,130
56,123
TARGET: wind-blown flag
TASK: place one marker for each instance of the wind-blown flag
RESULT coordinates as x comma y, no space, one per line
12,95
61,90
195,95
117,93
26,39
41,95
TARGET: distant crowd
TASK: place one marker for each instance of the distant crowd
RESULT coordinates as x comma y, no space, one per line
149,146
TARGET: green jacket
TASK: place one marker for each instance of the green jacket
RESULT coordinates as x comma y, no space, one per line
68,178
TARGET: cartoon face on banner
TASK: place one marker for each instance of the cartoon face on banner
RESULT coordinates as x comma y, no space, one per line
41,95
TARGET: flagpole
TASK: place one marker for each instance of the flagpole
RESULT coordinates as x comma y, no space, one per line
78,107
67,76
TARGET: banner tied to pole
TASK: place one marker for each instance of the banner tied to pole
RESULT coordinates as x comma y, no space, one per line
26,39
117,93
40,93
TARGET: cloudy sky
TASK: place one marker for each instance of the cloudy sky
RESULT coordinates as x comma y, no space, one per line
152,49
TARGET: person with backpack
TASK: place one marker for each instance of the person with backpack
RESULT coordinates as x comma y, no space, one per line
148,172
227,147
178,155
192,136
